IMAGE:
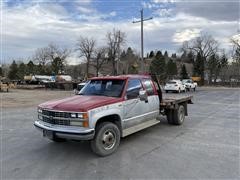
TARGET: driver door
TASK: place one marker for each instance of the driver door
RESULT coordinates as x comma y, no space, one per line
133,108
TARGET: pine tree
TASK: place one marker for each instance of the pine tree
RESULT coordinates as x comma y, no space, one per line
151,55
13,69
158,67
159,54
174,55
21,71
57,65
184,74
1,71
166,54
171,68
30,68
40,69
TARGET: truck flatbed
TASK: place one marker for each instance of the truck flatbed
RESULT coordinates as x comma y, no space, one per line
171,101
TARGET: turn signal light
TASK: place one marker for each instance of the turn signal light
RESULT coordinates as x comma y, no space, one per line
85,124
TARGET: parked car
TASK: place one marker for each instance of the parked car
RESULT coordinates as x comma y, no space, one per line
189,84
174,85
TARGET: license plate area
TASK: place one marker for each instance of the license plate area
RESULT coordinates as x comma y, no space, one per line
48,134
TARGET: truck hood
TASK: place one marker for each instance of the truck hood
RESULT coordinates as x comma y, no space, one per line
79,103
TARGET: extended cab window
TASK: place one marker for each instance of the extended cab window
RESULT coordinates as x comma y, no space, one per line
134,86
148,86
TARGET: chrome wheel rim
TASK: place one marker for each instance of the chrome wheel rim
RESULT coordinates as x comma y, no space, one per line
108,139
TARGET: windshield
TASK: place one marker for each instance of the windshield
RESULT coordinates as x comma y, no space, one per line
111,88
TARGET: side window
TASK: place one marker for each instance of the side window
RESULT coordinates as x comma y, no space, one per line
148,86
134,86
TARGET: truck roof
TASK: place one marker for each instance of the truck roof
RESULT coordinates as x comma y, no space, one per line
122,77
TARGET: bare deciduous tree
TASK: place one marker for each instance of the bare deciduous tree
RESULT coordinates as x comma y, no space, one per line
41,56
236,57
115,40
205,45
86,47
52,54
54,51
99,58
236,48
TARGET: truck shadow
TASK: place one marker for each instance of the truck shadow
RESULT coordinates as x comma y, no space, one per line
82,149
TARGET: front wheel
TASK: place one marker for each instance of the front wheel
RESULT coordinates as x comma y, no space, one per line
107,139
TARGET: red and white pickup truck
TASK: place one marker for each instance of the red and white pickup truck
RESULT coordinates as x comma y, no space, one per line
108,108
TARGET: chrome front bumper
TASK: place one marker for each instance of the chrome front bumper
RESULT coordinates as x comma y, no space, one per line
66,132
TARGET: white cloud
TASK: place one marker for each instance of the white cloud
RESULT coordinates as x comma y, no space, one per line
163,1
163,12
113,13
86,10
28,28
186,35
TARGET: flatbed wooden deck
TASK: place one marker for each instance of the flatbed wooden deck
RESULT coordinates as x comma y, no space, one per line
170,101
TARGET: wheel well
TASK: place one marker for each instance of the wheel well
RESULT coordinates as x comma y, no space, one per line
111,118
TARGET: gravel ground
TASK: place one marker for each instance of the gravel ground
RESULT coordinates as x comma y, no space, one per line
206,146
28,98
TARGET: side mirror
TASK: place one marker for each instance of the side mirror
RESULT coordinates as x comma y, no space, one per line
143,95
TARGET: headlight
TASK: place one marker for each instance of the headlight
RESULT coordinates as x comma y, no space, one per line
79,115
39,110
73,115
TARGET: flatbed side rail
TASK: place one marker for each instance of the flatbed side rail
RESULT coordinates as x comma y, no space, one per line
172,103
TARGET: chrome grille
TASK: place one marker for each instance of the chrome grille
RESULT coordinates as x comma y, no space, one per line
56,114
51,117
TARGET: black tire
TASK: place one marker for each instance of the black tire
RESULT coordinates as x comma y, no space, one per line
106,140
178,115
166,91
194,89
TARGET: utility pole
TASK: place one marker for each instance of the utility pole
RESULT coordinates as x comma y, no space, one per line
142,53
118,51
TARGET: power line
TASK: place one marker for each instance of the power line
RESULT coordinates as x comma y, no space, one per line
142,53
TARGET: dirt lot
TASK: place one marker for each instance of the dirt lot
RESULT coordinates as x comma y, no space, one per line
27,98
206,146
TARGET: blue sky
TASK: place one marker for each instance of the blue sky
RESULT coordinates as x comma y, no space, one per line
31,24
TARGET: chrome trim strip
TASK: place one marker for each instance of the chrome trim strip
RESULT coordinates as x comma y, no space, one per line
52,110
135,117
62,128
61,118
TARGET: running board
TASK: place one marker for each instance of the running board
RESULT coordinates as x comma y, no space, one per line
139,127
